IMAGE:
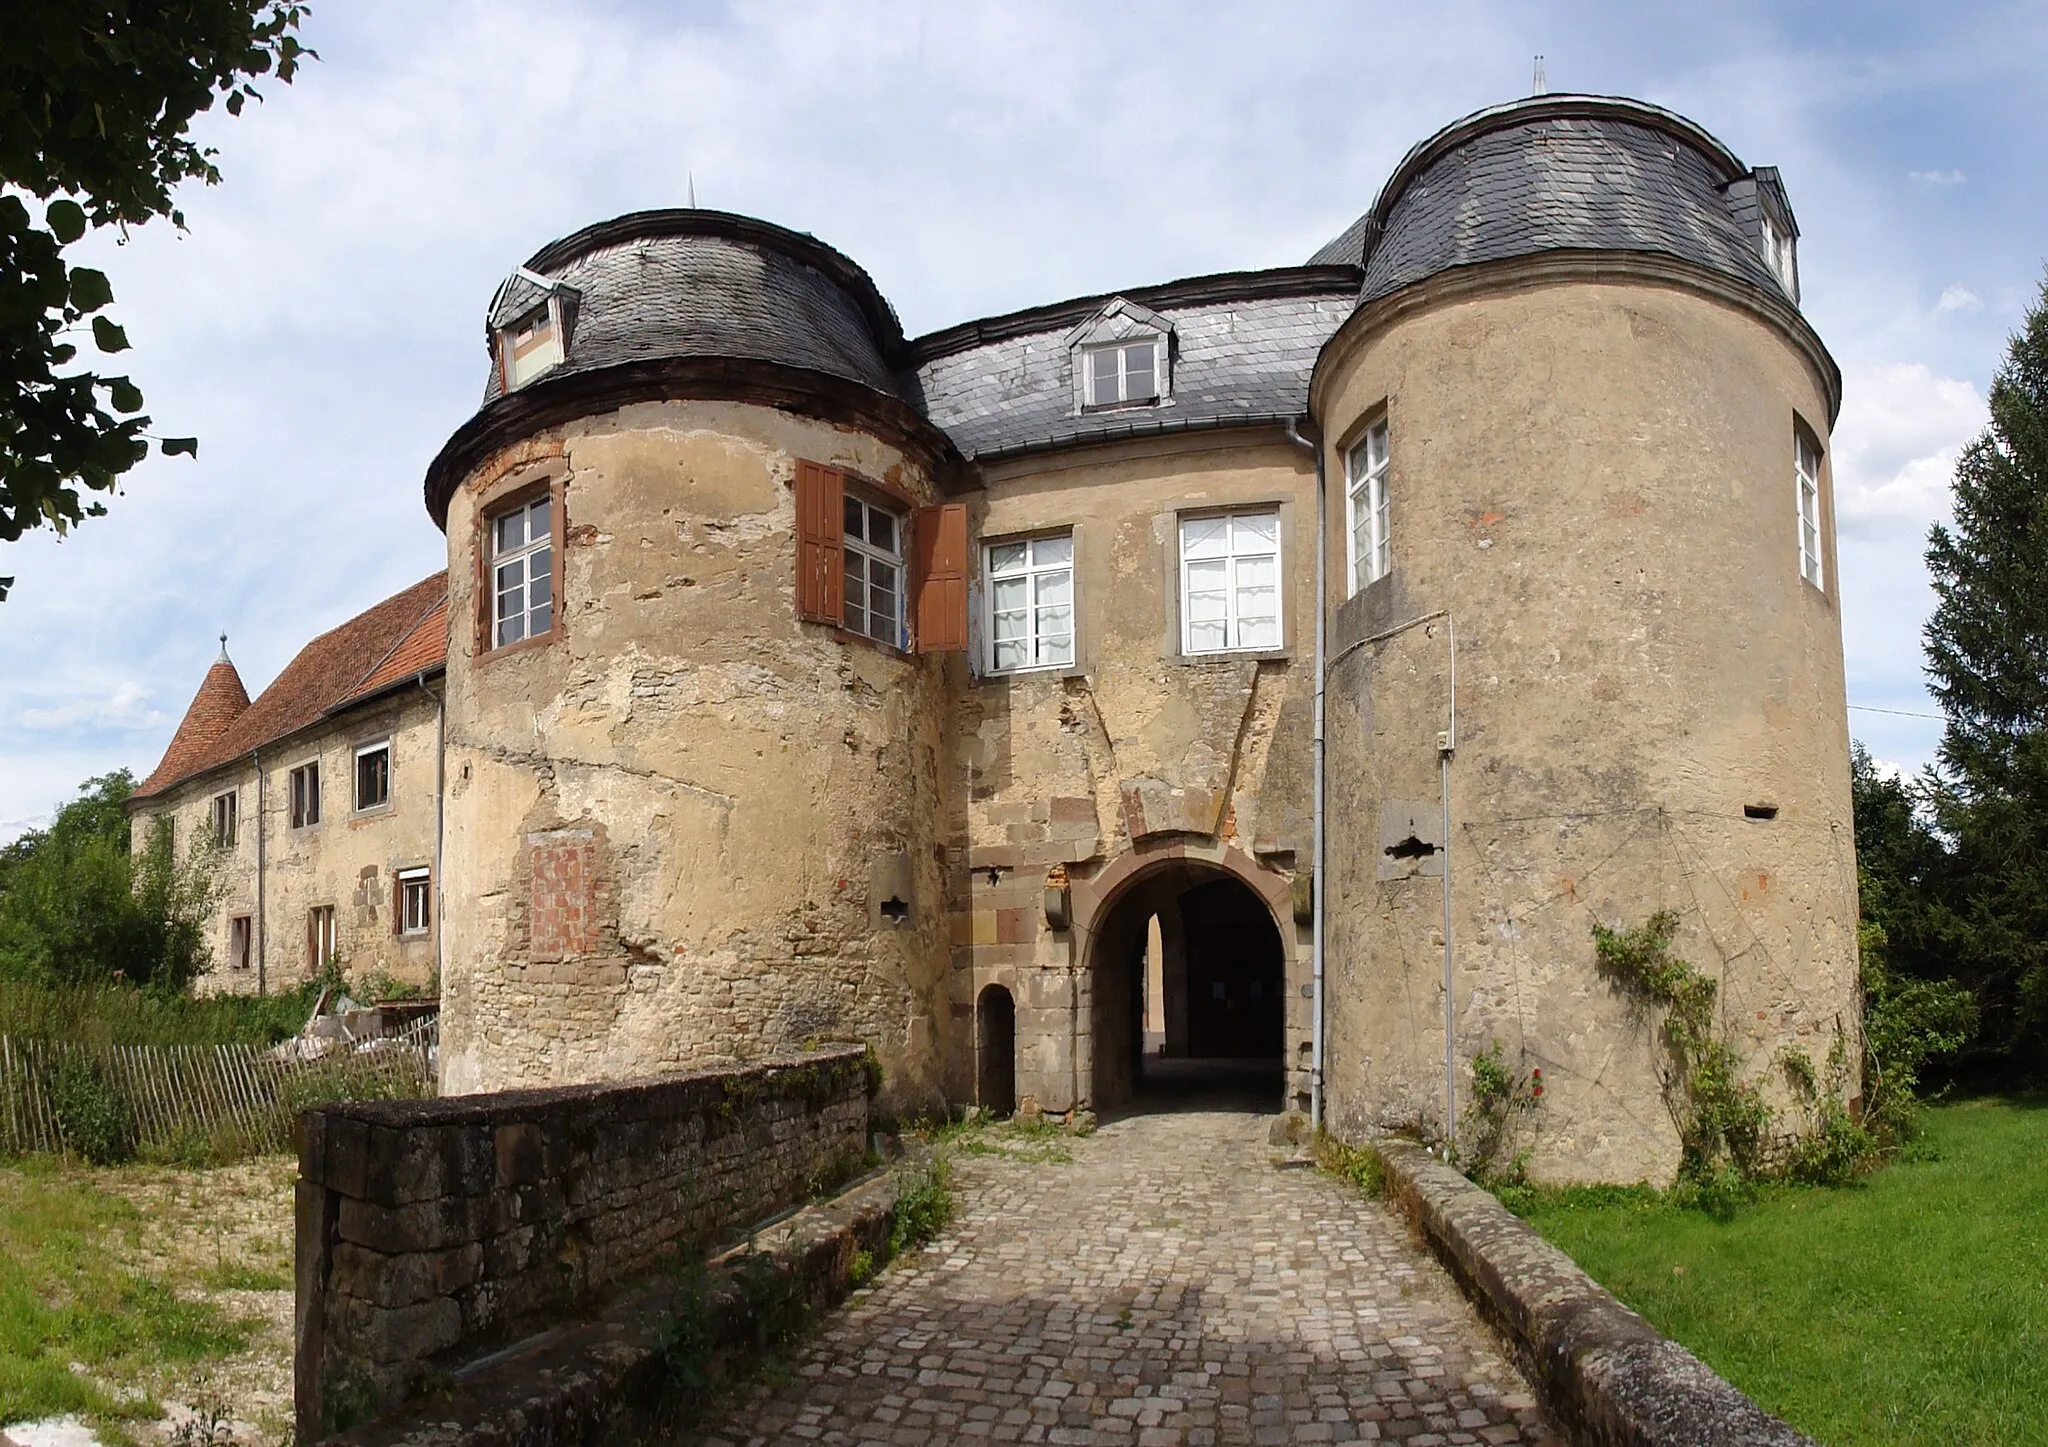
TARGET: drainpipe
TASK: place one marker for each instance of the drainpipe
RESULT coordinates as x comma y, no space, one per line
1447,745
262,977
1316,878
440,795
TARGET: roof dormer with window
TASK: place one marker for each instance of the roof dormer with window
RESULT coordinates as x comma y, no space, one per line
1765,212
530,321
1122,357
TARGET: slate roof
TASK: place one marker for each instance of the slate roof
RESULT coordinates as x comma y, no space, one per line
1556,173
342,667
1546,173
661,284
1235,362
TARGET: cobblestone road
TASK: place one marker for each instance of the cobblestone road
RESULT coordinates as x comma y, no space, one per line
1169,1285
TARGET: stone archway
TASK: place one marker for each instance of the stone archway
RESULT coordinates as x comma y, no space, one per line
1219,1024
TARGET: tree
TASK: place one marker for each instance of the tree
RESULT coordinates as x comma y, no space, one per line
1987,659
96,97
77,907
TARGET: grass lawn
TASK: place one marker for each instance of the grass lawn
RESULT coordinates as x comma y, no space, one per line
1911,1308
94,1314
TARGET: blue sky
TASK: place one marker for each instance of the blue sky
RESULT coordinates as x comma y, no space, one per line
319,326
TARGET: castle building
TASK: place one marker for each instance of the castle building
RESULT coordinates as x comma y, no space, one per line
1287,666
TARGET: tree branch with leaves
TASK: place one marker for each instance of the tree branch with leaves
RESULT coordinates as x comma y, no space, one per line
96,100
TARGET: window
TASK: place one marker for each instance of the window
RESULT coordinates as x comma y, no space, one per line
224,820
530,345
373,775
1031,603
1806,466
1779,254
415,901
320,946
522,572
1365,473
1123,375
238,942
1230,582
873,593
306,794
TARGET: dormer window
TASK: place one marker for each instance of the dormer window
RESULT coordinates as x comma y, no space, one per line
531,345
1124,375
1780,254
1122,357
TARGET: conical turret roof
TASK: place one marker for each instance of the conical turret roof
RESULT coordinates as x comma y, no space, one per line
220,701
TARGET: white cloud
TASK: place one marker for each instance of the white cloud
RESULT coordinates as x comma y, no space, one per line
1895,447
1958,299
1938,178
124,708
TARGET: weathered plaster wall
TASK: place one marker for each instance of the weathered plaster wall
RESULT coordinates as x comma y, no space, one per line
671,828
1135,746
348,860
1597,479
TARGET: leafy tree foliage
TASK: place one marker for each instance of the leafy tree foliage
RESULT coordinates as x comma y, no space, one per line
1987,658
78,908
96,97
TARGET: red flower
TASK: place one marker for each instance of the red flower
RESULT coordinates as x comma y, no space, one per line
1538,1090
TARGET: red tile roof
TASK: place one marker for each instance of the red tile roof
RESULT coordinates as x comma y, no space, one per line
397,639
220,701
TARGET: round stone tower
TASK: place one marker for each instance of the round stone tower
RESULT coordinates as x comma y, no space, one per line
693,753
1585,636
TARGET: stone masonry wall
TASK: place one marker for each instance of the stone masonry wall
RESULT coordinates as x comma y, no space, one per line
430,1231
1069,772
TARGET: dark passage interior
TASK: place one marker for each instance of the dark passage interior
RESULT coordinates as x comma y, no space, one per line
996,1051
1189,994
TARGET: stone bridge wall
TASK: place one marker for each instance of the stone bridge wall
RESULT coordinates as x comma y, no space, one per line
431,1231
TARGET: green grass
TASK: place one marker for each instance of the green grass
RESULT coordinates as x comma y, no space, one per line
65,1299
1910,1308
119,1015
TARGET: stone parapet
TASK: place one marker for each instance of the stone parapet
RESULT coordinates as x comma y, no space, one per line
430,1232
1599,1367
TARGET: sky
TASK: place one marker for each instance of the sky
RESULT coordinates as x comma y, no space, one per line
319,325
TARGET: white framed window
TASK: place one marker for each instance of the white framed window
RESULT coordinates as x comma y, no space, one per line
532,344
415,901
1780,254
1365,507
224,823
320,941
1030,603
373,775
305,793
1806,469
522,571
873,556
1230,582
1124,374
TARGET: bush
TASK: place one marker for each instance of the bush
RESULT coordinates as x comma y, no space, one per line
924,1205
92,1114
1360,1165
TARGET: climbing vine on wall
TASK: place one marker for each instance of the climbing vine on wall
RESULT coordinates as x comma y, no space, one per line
1723,1122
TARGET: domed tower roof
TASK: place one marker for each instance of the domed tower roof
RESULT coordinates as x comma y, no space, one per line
1570,173
220,701
683,303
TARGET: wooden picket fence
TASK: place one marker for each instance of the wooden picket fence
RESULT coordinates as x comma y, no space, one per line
233,1099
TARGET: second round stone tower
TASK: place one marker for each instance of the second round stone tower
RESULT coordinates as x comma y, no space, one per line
1585,644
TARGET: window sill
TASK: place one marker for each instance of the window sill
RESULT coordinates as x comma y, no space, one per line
524,645
1149,404
1237,655
1049,670
890,650
375,811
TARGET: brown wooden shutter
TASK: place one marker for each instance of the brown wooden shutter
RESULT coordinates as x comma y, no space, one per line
820,526
940,537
